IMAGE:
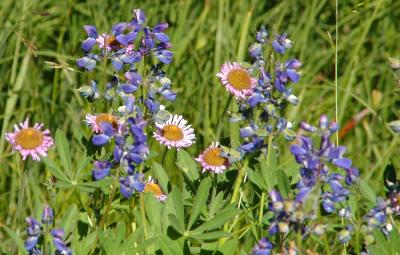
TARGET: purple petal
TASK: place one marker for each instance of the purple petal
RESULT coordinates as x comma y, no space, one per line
129,88
160,27
162,37
100,140
117,64
297,150
125,39
342,163
117,29
293,64
91,31
275,196
293,75
169,95
88,44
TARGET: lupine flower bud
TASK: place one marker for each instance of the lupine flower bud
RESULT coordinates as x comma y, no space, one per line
47,215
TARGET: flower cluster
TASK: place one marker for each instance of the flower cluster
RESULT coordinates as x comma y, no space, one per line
262,100
128,44
35,230
315,163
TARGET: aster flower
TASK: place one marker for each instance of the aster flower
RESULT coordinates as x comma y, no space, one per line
152,187
211,159
237,80
94,121
175,133
30,141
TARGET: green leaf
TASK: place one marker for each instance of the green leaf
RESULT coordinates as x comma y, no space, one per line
175,223
394,241
153,210
367,191
161,175
283,184
187,165
200,200
268,171
70,218
210,235
55,170
217,221
64,152
168,246
175,205
381,242
18,241
83,162
256,178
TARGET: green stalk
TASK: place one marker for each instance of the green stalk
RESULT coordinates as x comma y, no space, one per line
221,118
110,199
260,217
239,180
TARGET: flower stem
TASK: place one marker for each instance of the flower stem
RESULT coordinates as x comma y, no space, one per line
260,217
143,213
221,118
238,182
110,199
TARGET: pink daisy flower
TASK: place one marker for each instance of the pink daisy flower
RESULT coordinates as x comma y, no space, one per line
152,187
237,80
212,161
106,41
175,133
30,141
94,121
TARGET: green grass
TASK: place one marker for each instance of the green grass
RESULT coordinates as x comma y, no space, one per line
40,40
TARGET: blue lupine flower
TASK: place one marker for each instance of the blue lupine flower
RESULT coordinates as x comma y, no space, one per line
88,62
131,184
88,44
105,136
263,247
281,43
262,35
59,243
101,169
34,230
47,215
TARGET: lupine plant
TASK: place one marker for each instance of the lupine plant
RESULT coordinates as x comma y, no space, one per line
227,198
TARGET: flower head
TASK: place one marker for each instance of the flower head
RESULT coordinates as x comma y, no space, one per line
175,133
59,243
30,141
94,121
47,215
152,187
237,80
211,159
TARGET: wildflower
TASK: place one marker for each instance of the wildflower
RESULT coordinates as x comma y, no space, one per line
94,121
211,159
175,133
101,169
152,187
237,80
281,43
47,215
34,230
30,141
59,243
88,62
91,31
263,247
105,136
131,184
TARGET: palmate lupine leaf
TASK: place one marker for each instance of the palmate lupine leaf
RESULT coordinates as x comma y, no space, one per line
200,200
367,191
55,170
64,152
187,165
17,240
160,174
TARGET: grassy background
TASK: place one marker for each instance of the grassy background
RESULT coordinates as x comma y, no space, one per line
40,40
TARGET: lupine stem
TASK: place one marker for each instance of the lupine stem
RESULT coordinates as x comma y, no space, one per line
110,199
261,208
238,182
221,118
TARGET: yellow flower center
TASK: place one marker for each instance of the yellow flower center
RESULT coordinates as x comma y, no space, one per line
106,117
212,157
153,188
111,41
29,138
172,132
239,79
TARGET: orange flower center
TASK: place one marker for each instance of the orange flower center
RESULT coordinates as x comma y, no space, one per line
106,117
29,138
172,132
153,188
111,41
239,79
212,157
